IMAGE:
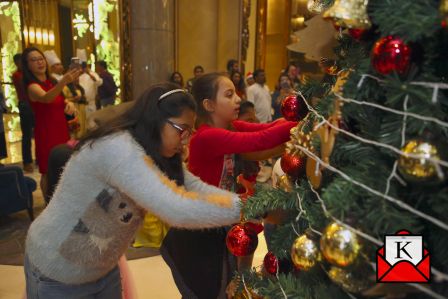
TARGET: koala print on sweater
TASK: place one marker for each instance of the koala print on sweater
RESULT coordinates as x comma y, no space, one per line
110,219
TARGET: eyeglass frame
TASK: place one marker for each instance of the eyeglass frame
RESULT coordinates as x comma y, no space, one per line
181,129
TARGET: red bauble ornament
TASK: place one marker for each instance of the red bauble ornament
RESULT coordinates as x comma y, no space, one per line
270,263
255,227
357,33
294,108
293,165
391,54
241,241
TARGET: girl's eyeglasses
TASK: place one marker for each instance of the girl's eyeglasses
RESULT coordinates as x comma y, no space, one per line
185,132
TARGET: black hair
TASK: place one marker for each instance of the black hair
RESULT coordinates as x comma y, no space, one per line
257,72
230,64
145,120
245,106
28,76
102,63
278,86
205,87
17,57
181,77
241,85
198,67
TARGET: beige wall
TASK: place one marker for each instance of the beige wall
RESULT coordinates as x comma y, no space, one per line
250,63
207,34
276,53
229,19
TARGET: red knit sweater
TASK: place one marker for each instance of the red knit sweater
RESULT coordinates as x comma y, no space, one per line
209,145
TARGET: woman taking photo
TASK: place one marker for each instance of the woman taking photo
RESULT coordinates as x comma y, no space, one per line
48,104
73,247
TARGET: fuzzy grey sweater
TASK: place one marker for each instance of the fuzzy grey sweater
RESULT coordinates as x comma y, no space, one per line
100,202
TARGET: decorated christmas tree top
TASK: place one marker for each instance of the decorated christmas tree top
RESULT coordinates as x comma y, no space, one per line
368,159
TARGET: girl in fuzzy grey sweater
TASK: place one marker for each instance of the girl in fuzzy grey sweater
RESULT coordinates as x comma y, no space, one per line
129,165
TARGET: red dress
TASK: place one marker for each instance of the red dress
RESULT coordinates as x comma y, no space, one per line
50,127
198,258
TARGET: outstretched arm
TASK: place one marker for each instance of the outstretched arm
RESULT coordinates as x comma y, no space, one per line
138,177
221,141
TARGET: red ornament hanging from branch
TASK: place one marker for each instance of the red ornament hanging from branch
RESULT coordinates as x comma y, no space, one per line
293,165
391,54
270,263
294,108
242,240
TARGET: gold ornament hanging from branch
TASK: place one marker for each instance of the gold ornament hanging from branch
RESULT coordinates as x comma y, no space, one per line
327,136
348,280
304,253
420,169
349,14
299,137
339,245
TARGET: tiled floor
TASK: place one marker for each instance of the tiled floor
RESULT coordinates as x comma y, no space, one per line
151,275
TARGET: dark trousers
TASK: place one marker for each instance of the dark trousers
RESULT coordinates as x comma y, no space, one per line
26,124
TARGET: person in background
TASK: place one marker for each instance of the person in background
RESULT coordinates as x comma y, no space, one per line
177,78
90,81
259,94
3,150
248,168
55,64
25,113
247,112
106,91
48,104
282,89
232,66
240,87
197,71
293,73
250,79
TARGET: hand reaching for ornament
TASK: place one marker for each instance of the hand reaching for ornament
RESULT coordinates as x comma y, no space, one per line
248,186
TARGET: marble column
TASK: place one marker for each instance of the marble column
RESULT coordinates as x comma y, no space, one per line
152,42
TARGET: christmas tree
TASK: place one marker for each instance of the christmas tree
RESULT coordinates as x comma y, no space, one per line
369,159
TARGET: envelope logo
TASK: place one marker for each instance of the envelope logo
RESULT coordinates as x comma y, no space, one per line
403,259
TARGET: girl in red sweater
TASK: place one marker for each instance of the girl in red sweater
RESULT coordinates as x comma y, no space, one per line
199,260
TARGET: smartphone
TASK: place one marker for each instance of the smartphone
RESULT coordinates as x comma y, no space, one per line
75,63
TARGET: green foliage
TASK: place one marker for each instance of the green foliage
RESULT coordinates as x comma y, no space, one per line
411,20
417,22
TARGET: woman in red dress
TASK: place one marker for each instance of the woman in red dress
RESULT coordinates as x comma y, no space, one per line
48,105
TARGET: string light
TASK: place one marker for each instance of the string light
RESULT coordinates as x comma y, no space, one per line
372,142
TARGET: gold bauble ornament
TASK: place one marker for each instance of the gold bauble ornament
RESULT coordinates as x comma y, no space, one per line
348,280
418,169
349,14
339,245
304,253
